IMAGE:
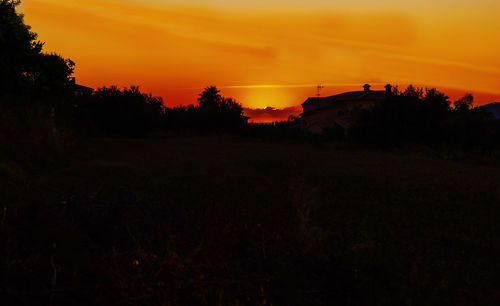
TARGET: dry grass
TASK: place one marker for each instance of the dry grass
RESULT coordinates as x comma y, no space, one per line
232,221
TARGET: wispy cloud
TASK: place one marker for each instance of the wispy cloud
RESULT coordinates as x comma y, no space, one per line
160,44
270,114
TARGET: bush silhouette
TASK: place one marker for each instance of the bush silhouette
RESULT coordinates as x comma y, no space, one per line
25,67
213,113
35,89
220,113
411,115
425,116
120,112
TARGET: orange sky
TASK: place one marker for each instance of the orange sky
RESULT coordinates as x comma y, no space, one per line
273,52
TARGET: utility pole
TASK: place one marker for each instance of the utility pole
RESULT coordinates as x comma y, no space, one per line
319,89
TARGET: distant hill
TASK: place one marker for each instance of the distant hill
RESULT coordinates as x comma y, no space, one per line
493,108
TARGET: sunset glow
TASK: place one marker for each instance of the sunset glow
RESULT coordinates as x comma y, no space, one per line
273,53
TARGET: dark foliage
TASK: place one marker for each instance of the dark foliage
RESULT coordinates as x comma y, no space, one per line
213,113
472,129
25,68
418,116
464,103
279,130
207,221
403,117
220,113
19,48
225,220
35,92
119,112
335,133
182,118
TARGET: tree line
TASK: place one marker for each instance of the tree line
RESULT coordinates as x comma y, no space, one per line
427,117
129,112
34,83
38,104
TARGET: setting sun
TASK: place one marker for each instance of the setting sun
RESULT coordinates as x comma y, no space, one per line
175,49
249,152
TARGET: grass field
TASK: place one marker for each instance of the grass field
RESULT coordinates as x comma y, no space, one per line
235,221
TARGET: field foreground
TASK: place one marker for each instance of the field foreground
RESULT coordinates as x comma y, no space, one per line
233,221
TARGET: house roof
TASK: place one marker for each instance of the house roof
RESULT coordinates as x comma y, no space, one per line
83,88
346,97
351,96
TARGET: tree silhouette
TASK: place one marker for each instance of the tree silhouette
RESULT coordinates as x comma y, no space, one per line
18,46
25,68
210,99
217,112
464,103
413,115
35,89
426,117
120,112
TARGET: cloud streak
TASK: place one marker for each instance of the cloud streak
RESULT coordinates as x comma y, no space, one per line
164,45
271,114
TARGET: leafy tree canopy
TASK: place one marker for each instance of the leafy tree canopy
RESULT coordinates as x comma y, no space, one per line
24,66
211,100
464,103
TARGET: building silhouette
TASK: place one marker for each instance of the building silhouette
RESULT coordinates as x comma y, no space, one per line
342,110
